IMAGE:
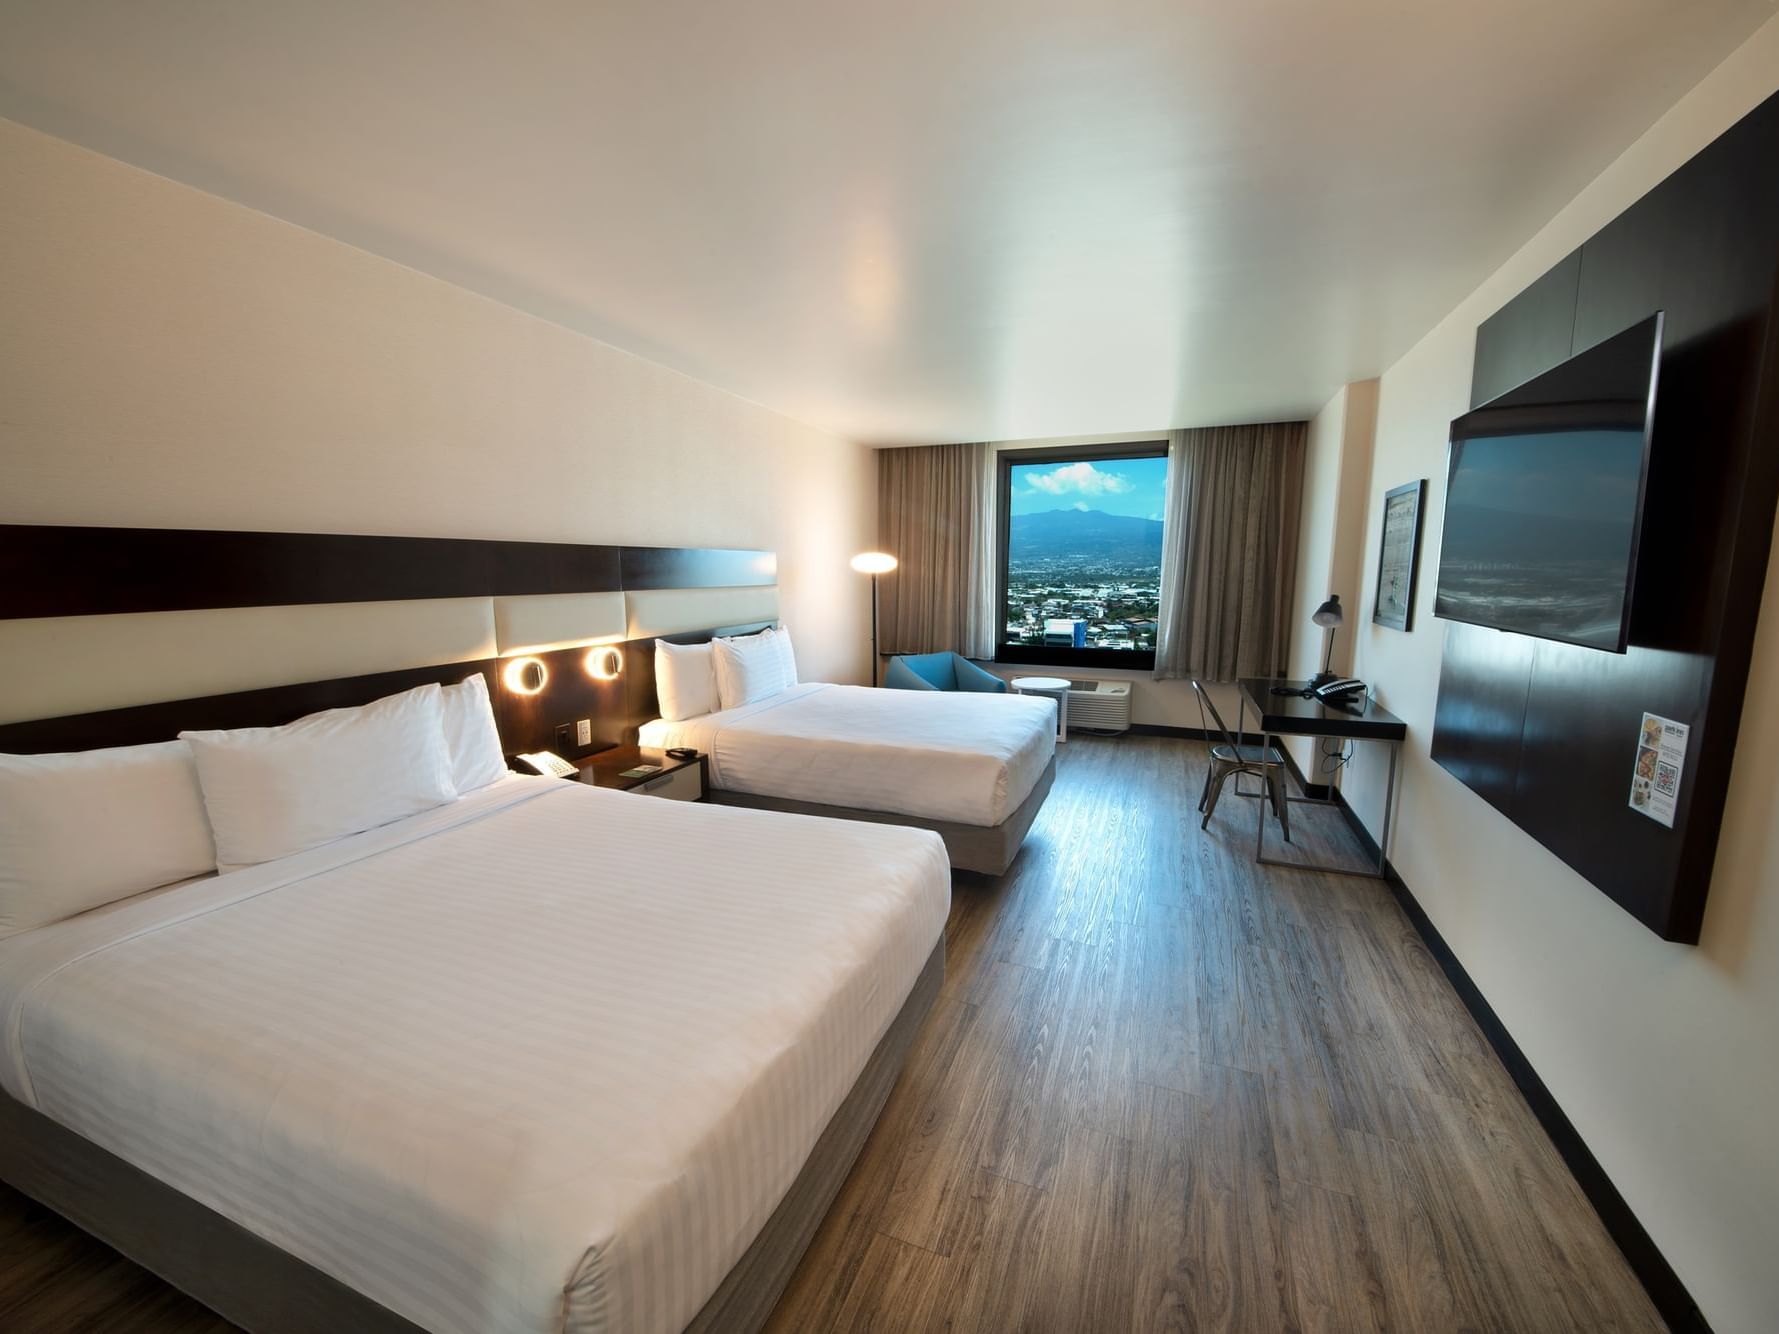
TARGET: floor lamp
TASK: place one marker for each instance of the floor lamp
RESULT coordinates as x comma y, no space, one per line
873,563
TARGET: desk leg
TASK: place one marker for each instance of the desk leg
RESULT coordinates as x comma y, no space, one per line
1260,817
1383,841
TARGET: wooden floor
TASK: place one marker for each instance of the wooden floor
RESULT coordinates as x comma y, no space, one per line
1163,1089
1166,1089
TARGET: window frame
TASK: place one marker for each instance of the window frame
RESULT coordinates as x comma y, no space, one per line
1041,655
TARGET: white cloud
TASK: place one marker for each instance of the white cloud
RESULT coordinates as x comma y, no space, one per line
1081,505
1079,478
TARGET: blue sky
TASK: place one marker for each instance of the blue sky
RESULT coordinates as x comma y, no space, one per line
1117,486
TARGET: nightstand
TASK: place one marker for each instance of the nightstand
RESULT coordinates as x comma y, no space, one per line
679,780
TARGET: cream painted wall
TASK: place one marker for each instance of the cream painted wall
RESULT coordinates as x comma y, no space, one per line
1336,476
169,359
1665,1057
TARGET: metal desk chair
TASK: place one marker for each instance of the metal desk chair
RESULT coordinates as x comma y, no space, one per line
1230,759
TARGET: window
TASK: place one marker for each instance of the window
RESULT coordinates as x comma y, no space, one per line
1080,554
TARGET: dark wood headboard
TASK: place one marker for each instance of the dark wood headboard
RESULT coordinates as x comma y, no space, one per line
54,571
48,570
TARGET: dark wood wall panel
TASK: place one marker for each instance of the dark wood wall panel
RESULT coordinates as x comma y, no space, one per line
1529,335
50,570
529,722
1481,714
63,571
1704,248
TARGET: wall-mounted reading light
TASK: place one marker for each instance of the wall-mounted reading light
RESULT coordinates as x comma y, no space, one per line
525,676
603,662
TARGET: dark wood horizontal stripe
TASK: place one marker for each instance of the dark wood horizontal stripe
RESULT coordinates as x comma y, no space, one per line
697,567
57,571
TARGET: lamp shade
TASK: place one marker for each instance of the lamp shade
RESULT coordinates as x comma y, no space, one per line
1329,613
873,562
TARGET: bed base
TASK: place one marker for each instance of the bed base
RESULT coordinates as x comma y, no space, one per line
249,1281
989,849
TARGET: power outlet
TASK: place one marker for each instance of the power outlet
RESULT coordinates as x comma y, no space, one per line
563,732
583,732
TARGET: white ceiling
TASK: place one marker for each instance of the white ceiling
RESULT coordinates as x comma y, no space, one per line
924,220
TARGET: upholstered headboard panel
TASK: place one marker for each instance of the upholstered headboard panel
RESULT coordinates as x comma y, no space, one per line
77,664
672,611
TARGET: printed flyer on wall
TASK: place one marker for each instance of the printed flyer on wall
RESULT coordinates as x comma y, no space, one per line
1655,777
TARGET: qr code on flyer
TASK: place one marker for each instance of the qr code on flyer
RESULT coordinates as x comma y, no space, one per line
1667,779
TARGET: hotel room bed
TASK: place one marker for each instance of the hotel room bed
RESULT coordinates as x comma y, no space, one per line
547,1058
972,767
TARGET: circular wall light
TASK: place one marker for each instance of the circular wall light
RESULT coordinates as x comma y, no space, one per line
525,676
603,663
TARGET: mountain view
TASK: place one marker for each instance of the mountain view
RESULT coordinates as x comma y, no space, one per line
1083,578
1086,535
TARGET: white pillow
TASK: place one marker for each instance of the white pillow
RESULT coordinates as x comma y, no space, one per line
748,668
274,791
787,660
91,827
477,758
685,680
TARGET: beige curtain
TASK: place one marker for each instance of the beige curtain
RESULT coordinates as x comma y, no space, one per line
935,516
1230,566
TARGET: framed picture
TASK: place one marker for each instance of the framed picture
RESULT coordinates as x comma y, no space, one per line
1399,557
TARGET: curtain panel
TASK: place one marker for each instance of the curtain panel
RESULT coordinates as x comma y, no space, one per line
935,515
1230,566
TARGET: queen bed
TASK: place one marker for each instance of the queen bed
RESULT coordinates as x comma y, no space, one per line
973,767
503,1066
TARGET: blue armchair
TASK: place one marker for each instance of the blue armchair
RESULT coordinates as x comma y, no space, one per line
940,671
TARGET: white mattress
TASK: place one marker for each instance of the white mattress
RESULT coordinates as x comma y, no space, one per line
961,756
546,1058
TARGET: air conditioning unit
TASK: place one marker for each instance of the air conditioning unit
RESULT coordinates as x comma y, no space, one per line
1099,706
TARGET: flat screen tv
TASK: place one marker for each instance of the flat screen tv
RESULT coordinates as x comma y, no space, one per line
1544,498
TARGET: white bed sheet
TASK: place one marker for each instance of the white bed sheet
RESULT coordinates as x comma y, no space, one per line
543,1059
961,756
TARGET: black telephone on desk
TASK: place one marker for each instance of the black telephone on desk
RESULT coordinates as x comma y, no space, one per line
1343,690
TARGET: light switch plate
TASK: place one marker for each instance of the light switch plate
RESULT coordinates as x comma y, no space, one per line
583,732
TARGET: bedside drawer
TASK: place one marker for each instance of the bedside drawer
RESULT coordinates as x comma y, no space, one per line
685,784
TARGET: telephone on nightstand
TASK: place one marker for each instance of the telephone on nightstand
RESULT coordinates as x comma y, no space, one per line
549,764
1342,690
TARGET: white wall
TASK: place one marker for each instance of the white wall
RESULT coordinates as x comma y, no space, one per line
1665,1057
169,359
1336,477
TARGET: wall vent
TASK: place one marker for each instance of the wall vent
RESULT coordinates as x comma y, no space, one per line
1099,706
